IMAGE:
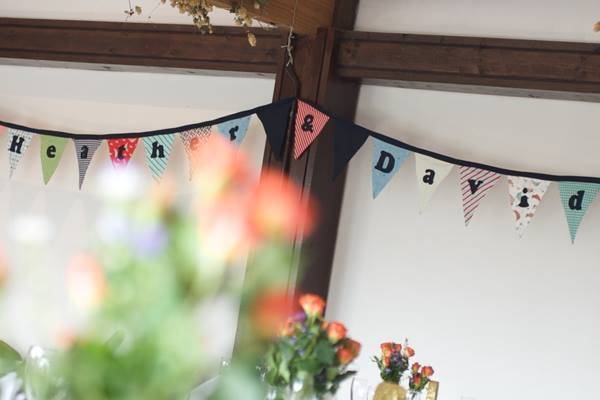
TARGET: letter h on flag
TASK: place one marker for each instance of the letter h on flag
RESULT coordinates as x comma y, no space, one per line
309,124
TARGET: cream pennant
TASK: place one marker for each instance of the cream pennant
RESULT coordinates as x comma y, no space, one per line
17,145
526,194
430,173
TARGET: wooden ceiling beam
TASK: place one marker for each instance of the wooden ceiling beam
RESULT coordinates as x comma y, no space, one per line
137,46
310,14
527,68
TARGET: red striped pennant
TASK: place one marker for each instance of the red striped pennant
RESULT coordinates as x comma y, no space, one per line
474,184
309,124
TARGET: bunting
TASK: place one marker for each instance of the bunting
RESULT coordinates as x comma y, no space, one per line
85,150
474,185
309,124
387,160
51,151
17,144
526,189
430,173
235,130
192,140
526,194
158,148
576,198
121,150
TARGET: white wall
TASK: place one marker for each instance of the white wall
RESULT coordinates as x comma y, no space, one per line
497,317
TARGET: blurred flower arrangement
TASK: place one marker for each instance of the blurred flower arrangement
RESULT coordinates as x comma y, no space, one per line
145,286
310,358
200,11
393,364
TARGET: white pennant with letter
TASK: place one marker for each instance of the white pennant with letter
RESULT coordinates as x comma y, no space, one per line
430,173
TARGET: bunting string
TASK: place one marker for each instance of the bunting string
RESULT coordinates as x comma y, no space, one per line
308,122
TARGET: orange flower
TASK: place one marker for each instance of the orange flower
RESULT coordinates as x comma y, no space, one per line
427,371
415,367
417,380
408,352
270,311
336,331
312,305
288,329
277,207
348,352
387,349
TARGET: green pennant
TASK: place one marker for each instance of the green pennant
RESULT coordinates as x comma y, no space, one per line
51,151
576,198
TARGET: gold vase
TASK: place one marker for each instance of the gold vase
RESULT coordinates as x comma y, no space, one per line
389,391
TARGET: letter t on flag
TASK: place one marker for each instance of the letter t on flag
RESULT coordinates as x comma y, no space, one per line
309,124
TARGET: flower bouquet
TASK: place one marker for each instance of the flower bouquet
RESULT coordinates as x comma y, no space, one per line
310,358
393,363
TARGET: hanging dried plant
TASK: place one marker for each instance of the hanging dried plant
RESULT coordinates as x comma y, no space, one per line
597,27
200,11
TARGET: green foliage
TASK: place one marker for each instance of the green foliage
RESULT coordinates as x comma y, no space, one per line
10,359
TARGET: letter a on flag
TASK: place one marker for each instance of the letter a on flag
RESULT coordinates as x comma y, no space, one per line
51,150
18,143
474,185
121,150
309,124
576,198
526,194
85,150
387,160
430,173
158,148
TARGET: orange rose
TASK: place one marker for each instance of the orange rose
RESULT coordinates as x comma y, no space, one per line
312,305
386,361
348,352
408,352
336,331
288,329
415,368
270,311
387,349
417,380
427,372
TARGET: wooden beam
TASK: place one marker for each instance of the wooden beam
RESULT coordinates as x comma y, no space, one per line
136,46
477,65
310,14
312,258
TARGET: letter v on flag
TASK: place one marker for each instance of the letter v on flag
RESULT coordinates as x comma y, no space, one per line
474,185
576,198
387,160
309,124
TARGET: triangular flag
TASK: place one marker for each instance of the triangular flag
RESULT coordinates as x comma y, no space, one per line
576,198
348,138
387,160
275,119
235,130
430,173
158,149
309,124
18,143
526,194
192,139
51,151
121,150
85,150
474,185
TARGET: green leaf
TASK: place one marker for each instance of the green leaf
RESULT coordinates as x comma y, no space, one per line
325,352
311,366
9,358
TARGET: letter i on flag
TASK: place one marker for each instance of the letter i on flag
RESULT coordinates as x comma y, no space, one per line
387,160
158,149
309,124
18,143
121,150
85,150
430,173
51,150
474,185
526,194
576,198
235,130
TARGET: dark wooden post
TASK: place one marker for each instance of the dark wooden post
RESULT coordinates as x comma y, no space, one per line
313,63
